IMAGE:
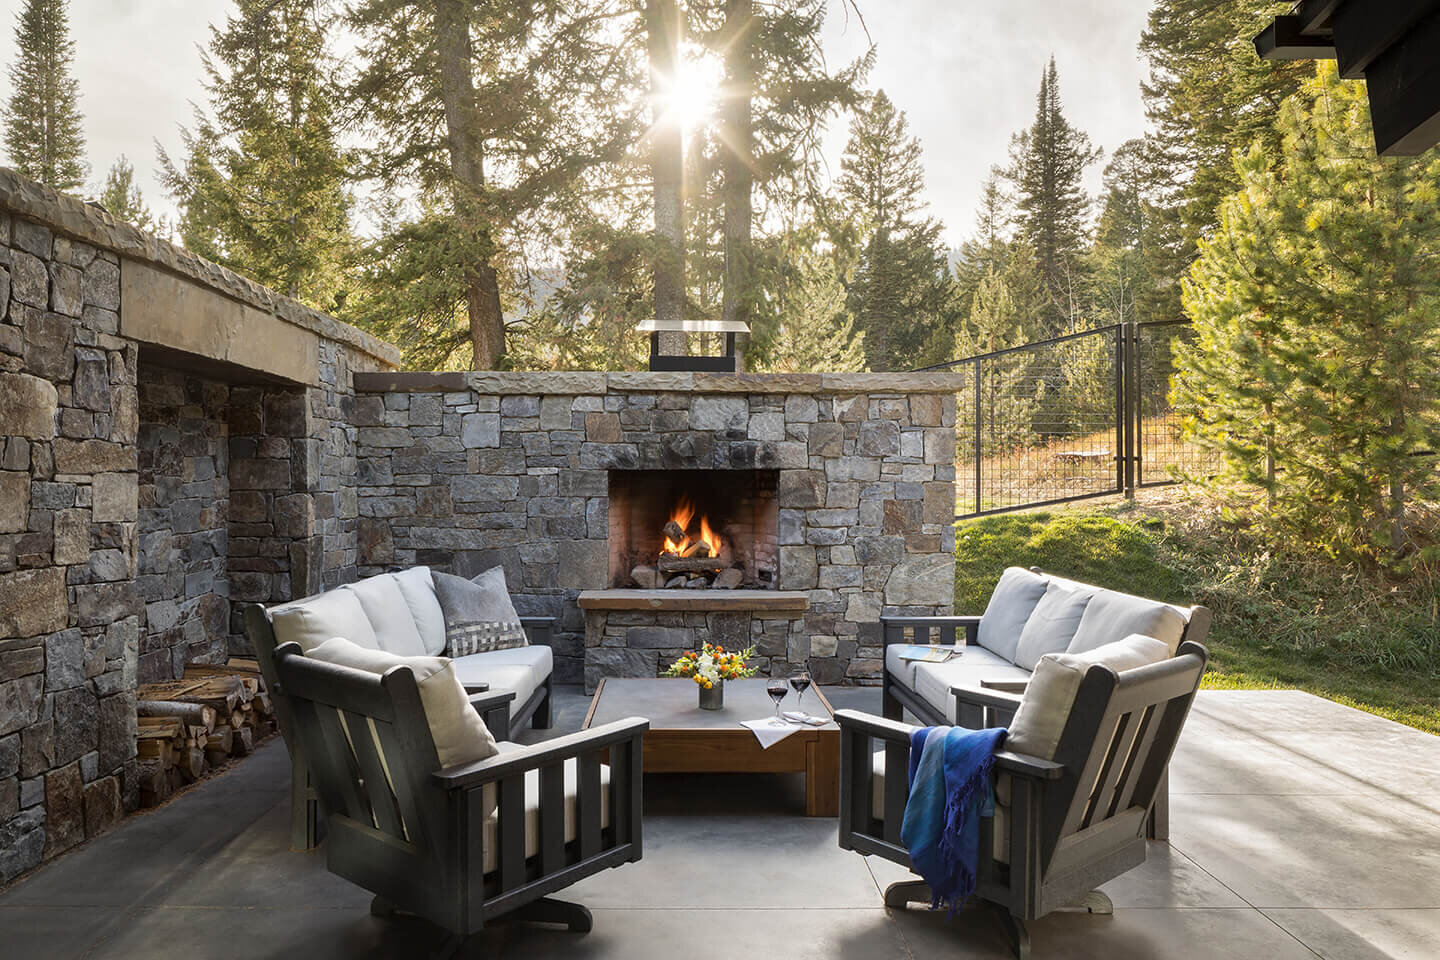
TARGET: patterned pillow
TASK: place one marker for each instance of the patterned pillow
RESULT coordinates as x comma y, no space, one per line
482,636
479,615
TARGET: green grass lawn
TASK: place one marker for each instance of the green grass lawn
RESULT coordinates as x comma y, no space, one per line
1280,622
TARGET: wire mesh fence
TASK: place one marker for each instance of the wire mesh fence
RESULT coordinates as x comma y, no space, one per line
1069,418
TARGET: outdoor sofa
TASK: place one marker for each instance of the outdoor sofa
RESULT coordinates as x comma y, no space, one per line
399,613
1031,613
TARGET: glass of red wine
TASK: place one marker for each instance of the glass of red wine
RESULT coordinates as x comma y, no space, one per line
801,682
777,688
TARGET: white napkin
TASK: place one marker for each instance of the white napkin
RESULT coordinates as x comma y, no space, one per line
767,733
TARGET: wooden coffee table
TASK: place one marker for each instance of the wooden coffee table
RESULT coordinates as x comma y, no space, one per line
685,739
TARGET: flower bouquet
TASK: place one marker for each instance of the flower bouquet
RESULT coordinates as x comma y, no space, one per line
710,669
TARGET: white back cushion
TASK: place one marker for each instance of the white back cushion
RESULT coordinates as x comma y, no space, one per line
389,614
1110,616
1052,624
418,589
312,621
1050,695
459,734
1011,604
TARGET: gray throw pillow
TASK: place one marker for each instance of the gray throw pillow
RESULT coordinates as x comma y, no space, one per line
1011,604
479,615
1052,625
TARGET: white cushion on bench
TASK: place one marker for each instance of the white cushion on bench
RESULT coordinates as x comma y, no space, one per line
522,669
532,808
1011,604
418,588
313,620
1052,624
389,614
934,680
1111,616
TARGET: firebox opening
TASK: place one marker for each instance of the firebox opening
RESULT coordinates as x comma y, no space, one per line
693,529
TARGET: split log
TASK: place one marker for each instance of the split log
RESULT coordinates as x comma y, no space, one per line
689,565
675,532
263,706
194,714
154,783
192,764
242,742
154,748
697,549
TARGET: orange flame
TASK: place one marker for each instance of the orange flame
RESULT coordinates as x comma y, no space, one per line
683,513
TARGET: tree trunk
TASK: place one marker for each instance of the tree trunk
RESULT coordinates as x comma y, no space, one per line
463,140
736,137
663,26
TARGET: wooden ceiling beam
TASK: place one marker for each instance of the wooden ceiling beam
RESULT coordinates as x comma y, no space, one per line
1364,31
1404,88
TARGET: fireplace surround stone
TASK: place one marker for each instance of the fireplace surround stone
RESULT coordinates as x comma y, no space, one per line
462,471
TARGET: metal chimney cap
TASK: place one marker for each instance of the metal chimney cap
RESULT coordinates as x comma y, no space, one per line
652,325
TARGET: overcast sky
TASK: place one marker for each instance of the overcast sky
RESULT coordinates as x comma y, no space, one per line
965,71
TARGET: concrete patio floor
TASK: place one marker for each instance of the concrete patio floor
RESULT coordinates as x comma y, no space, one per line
1300,828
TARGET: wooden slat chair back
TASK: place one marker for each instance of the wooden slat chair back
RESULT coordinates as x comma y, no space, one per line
415,834
1074,822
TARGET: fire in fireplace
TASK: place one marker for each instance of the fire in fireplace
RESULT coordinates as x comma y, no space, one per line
693,529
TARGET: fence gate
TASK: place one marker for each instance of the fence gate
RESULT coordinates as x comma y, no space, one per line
1073,417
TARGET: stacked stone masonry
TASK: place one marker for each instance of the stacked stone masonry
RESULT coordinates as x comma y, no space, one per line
466,472
122,464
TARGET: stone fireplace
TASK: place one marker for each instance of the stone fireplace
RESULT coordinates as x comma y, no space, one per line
729,520
832,493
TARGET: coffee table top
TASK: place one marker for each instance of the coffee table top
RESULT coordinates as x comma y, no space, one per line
672,703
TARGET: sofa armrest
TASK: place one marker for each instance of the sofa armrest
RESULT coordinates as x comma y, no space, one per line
1005,686
539,630
494,710
873,726
931,630
470,775
978,697
1024,765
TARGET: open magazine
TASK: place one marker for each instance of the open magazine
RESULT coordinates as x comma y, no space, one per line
927,654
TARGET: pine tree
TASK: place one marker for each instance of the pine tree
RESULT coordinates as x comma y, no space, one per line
42,119
814,330
1048,163
1316,369
122,200
504,120
262,186
902,286
1208,95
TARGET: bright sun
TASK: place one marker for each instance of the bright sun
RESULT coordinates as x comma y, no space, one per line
694,94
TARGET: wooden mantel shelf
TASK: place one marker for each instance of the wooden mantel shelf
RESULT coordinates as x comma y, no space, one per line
695,600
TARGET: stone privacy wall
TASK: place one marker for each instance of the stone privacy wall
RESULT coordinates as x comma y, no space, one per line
466,471
184,451
117,476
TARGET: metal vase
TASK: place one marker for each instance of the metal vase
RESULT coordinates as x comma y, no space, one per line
712,698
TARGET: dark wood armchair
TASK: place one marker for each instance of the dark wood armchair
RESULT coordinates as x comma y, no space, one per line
452,845
1065,825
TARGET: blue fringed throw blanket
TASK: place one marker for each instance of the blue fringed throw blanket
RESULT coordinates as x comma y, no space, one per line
949,793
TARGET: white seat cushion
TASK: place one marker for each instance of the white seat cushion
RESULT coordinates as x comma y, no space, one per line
1052,624
418,589
532,808
522,677
1048,700
1111,616
313,620
902,670
459,734
1011,603
934,680
389,615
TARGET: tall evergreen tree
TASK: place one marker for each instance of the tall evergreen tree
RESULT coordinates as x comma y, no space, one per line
42,119
495,117
902,286
121,196
1316,369
262,185
1048,167
1208,95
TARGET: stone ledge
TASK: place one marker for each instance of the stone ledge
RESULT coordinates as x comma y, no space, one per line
747,601
75,218
596,383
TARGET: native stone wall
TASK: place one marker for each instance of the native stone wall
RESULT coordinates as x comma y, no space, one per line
463,472
126,365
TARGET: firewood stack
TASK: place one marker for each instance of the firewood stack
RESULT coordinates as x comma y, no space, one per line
190,726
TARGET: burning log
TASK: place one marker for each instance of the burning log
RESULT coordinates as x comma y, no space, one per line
697,549
674,564
675,532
